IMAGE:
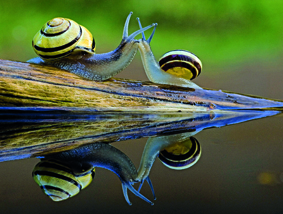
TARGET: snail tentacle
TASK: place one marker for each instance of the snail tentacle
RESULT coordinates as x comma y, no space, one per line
126,186
133,35
150,185
126,26
143,35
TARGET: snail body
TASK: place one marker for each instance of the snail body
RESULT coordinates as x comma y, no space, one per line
103,156
74,51
177,67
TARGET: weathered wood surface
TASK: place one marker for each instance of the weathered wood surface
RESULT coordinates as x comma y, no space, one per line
28,85
37,135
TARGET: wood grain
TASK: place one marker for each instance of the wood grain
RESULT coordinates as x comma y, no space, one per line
29,85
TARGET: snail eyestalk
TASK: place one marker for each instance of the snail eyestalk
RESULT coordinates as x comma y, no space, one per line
126,26
126,186
150,185
133,35
143,36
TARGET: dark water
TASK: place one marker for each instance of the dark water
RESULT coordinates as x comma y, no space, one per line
240,171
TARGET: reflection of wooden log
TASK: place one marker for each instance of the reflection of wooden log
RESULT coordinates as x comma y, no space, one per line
27,85
32,138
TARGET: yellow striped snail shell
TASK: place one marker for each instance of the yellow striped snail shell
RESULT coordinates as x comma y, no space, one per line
64,44
181,63
181,155
177,67
59,181
60,37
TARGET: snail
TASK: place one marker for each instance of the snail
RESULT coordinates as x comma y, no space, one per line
177,151
82,160
177,67
181,155
60,181
67,45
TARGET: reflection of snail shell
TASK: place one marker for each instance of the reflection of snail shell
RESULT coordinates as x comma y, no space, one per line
181,155
59,181
78,164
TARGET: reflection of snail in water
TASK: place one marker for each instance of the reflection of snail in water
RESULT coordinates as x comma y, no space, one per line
60,181
176,67
178,151
82,161
67,45
181,155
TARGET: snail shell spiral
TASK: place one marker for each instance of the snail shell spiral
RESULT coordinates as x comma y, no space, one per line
181,155
60,37
58,181
181,63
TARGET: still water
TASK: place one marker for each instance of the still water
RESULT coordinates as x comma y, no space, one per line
239,170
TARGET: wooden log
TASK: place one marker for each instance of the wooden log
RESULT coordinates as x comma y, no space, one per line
28,85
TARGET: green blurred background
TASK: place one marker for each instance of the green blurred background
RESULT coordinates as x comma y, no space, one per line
226,35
